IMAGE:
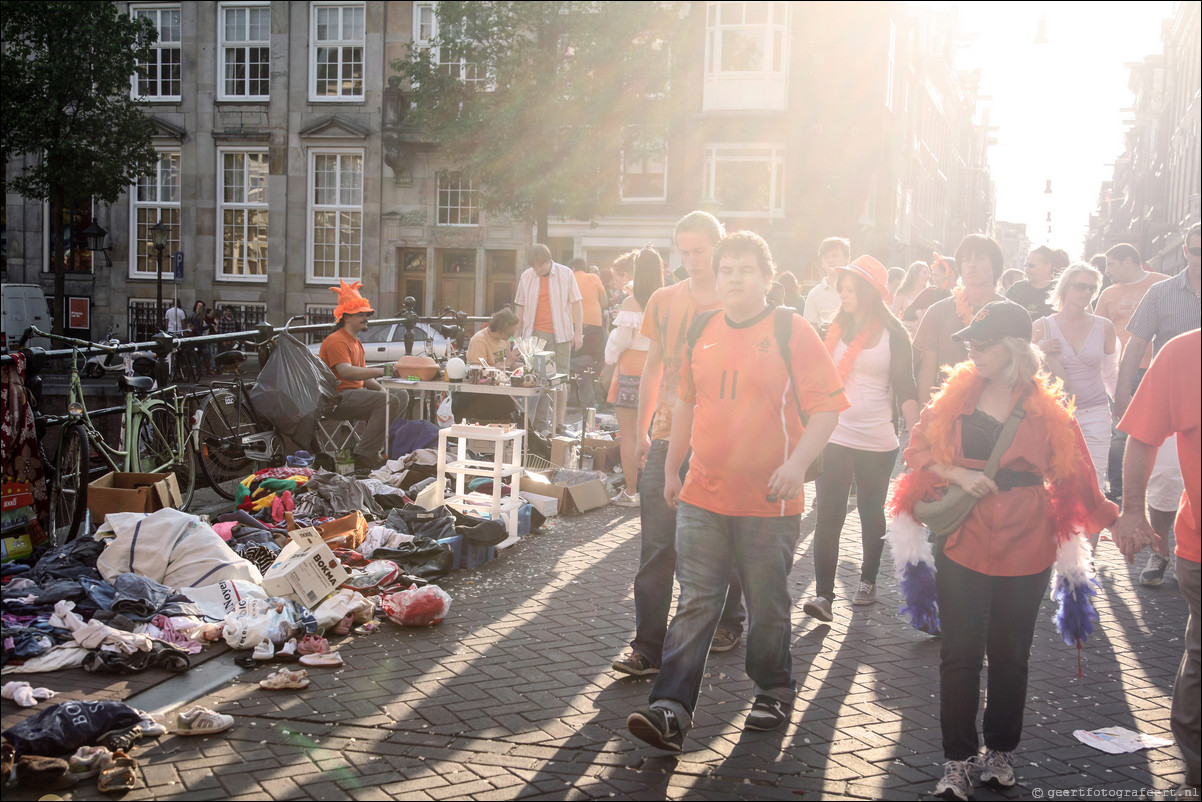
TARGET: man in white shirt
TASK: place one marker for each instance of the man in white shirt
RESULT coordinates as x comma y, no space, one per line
549,306
823,301
176,317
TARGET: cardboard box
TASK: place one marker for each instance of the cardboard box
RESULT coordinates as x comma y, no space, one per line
562,450
605,453
546,505
14,548
306,568
573,499
132,492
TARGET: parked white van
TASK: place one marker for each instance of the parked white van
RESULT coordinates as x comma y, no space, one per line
22,306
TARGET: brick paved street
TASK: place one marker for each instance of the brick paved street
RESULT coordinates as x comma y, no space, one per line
512,697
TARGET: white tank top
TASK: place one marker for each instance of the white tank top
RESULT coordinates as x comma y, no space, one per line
867,424
1084,368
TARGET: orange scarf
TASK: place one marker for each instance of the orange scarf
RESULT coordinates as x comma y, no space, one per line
963,309
835,332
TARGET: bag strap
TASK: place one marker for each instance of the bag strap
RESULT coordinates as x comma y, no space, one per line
782,329
696,327
1005,438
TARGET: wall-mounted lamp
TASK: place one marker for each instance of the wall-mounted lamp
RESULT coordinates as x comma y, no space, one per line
95,235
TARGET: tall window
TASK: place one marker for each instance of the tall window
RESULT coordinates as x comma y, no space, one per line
336,215
644,166
746,180
336,51
76,256
156,197
457,203
425,29
159,78
746,56
245,46
242,194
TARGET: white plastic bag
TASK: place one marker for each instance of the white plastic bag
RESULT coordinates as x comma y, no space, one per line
445,416
417,607
343,603
218,601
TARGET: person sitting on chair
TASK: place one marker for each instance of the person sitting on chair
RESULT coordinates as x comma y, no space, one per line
492,346
360,397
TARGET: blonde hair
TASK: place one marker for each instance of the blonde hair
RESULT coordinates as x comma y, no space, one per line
1025,361
1066,278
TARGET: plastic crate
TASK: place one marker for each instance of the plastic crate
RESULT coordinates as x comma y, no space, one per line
457,544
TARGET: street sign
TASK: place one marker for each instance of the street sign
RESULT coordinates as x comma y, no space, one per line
178,259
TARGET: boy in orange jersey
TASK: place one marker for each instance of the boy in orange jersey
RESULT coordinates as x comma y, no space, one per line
740,506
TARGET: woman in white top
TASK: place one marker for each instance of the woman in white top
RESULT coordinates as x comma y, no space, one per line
876,362
1081,349
915,282
627,349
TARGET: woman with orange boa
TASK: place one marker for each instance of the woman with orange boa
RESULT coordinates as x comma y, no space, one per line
982,585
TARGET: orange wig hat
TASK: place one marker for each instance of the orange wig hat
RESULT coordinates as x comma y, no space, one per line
350,302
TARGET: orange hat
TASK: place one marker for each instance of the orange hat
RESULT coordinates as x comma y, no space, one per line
874,273
350,302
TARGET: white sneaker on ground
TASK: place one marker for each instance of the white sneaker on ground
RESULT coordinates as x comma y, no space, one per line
956,782
625,499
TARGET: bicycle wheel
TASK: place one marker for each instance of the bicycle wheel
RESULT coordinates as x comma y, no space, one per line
163,447
69,494
221,422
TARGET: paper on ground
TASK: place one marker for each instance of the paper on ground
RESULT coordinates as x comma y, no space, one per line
1119,740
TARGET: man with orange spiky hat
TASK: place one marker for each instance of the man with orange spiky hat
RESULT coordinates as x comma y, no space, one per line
360,396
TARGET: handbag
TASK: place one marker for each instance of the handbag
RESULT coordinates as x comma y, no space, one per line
945,514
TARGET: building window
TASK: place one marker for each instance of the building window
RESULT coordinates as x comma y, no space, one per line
425,30
644,167
746,180
155,197
336,215
245,46
336,51
457,201
143,318
315,314
745,37
159,78
242,197
76,256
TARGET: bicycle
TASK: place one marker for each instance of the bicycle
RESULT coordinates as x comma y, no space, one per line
155,438
232,441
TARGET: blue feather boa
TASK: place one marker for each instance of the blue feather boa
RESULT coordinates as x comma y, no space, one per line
1076,615
922,599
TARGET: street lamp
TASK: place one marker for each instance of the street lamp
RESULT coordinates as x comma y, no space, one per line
95,235
158,238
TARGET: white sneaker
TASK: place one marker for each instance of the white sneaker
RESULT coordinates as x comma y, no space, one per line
1153,574
956,782
624,499
264,651
997,768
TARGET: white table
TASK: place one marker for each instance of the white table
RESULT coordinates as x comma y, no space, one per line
426,389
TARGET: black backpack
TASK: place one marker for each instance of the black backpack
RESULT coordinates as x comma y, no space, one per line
782,331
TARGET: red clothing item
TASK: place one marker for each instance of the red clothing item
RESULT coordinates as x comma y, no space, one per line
543,320
1168,401
745,422
1011,533
341,347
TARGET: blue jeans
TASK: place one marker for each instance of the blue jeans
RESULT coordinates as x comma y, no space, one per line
709,546
657,564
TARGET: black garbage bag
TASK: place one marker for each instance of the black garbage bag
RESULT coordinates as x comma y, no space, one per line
294,389
62,728
424,558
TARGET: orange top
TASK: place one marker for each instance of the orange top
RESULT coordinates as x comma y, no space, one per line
1117,304
745,421
1012,532
1169,400
666,320
543,320
341,347
592,297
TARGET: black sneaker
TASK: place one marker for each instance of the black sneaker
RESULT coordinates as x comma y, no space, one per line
658,727
636,665
767,713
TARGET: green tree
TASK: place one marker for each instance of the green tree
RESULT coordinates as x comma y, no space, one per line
67,108
534,101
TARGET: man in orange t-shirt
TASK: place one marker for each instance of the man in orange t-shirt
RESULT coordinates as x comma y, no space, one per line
1169,401
740,506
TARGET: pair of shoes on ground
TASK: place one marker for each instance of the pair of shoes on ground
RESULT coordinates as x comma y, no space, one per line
996,768
820,607
1153,573
659,727
116,769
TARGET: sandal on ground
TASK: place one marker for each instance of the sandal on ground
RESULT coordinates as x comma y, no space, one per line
327,660
313,644
198,720
286,679
117,772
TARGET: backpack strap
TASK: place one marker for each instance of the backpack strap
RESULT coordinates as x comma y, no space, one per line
782,329
696,327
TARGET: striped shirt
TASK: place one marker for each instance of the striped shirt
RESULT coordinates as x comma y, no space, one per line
1169,308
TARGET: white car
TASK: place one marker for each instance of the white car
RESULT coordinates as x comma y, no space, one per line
385,342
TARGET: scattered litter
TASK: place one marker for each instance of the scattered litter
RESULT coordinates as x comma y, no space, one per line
1119,740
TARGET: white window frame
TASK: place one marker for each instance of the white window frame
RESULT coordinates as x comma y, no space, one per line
776,52
459,68
639,135
245,205
458,210
170,211
771,153
341,45
158,48
339,208
225,47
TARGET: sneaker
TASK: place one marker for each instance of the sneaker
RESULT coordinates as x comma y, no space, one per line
198,720
625,499
724,640
956,782
636,665
121,739
818,607
658,727
997,768
264,651
1153,575
767,713
865,595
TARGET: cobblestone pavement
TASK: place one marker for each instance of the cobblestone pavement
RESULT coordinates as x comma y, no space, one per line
512,697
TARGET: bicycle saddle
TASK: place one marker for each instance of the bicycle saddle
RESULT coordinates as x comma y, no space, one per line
230,359
135,384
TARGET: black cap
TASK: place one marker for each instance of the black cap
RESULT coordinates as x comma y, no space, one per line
997,320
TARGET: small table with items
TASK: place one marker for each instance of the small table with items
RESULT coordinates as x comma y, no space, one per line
557,385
